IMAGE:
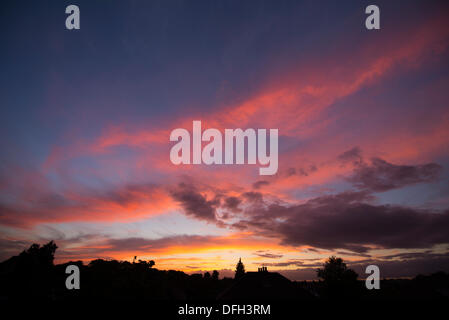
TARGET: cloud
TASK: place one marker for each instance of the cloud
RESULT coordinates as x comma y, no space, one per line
232,203
126,202
423,263
381,175
259,184
288,263
253,196
348,221
353,155
409,265
194,203
143,244
301,171
266,254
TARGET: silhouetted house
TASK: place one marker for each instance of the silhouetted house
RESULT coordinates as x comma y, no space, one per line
263,285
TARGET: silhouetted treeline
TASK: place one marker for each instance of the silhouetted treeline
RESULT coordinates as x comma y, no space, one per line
32,274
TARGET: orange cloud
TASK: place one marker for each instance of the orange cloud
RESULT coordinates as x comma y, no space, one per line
296,104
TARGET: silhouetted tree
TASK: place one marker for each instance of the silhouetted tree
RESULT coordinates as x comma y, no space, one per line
148,264
239,270
339,280
215,275
335,270
43,256
30,274
206,275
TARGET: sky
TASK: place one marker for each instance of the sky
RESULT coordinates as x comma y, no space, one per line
362,115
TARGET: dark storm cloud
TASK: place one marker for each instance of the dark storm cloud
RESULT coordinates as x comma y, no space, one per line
348,221
259,184
194,203
301,171
353,155
253,196
357,226
379,175
232,203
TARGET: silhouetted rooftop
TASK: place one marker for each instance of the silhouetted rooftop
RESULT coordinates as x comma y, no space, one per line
263,285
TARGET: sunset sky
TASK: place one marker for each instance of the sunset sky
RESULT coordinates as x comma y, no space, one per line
363,120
